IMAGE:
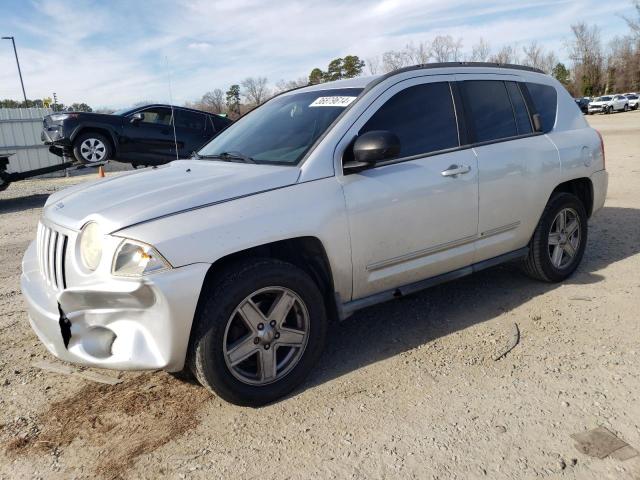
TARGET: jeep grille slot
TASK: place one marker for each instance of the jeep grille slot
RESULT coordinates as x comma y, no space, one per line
51,247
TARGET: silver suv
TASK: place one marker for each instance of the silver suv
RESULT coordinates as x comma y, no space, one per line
325,200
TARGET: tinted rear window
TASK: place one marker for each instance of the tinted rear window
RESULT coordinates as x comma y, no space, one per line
421,116
190,120
545,99
491,111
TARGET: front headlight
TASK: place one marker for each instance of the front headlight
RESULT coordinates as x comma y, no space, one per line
91,239
134,259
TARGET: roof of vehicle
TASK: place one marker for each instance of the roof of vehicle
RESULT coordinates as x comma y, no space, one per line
371,80
140,107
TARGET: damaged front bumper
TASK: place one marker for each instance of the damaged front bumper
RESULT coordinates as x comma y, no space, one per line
125,324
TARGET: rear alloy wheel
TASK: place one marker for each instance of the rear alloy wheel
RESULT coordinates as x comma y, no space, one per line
92,148
558,243
259,331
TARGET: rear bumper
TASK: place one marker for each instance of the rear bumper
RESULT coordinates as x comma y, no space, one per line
600,182
123,324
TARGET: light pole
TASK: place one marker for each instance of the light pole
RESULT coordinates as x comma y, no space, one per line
19,72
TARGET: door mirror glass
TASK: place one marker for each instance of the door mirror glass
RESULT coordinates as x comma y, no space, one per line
137,117
376,146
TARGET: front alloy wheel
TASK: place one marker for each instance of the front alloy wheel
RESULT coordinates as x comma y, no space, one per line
266,336
258,332
93,150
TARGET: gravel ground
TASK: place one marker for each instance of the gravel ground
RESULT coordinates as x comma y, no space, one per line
407,389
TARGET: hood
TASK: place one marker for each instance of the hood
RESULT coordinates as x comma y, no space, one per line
600,103
134,197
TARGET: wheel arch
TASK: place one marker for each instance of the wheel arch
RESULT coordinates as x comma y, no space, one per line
107,132
307,253
581,188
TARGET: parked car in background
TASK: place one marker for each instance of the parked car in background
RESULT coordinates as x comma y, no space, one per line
609,104
633,100
141,136
583,104
320,202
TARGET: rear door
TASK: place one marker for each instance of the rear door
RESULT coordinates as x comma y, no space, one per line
151,139
515,163
190,131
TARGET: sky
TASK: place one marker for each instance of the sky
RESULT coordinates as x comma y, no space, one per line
118,52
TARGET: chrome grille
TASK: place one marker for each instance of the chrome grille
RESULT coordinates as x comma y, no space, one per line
52,246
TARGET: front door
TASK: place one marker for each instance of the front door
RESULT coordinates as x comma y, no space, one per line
150,139
413,218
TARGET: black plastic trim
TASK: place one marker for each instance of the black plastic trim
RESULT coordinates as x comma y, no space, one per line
349,308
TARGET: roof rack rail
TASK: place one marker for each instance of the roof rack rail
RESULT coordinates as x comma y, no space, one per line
425,66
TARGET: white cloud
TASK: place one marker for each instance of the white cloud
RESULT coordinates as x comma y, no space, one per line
119,52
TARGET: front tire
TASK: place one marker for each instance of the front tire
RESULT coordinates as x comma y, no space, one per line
259,330
92,148
626,107
558,243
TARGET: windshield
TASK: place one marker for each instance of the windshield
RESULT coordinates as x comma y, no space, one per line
282,130
603,99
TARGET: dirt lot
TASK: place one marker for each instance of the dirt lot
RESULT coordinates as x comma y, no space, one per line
407,389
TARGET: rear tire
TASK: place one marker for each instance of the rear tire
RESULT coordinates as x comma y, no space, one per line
557,245
92,148
242,347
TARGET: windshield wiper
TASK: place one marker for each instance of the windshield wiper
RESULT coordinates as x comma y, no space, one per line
230,157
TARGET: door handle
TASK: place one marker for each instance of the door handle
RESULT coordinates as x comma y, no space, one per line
455,170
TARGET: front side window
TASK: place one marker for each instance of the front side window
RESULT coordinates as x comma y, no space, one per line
157,116
421,116
284,129
490,108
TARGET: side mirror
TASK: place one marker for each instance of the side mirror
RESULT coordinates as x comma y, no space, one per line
137,117
374,147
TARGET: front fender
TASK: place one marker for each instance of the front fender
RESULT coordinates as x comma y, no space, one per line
205,235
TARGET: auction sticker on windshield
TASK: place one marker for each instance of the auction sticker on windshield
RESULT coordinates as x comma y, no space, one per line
332,101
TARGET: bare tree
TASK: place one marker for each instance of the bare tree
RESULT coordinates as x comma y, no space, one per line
536,57
394,59
634,23
418,54
507,54
445,49
285,85
256,91
480,51
585,52
373,65
214,100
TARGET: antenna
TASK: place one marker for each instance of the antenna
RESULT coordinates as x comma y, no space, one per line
173,117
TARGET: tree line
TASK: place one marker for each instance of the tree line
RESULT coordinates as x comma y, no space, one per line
593,68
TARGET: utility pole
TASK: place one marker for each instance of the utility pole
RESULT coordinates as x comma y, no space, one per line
55,102
13,41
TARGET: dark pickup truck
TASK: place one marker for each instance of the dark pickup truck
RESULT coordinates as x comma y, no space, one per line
141,136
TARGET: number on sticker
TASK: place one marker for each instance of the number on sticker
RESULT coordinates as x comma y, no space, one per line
332,101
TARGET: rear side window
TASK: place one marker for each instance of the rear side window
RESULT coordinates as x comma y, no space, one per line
523,121
190,120
421,116
545,99
491,111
